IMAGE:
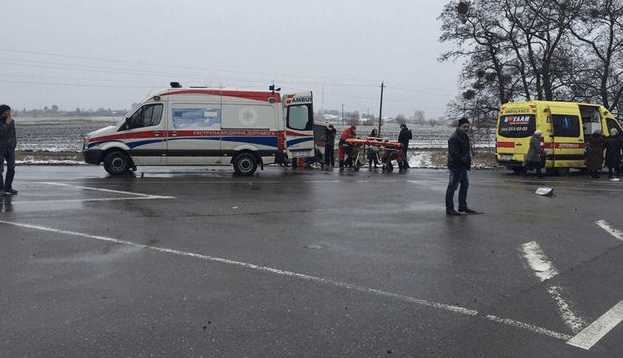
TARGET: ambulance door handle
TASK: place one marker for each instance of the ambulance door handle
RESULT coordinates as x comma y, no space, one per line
519,144
157,133
174,134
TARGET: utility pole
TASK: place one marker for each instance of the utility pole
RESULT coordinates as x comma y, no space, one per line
343,114
381,109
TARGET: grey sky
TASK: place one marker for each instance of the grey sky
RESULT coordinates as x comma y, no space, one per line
109,54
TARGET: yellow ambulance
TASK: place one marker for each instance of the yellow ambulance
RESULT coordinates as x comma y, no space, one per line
564,126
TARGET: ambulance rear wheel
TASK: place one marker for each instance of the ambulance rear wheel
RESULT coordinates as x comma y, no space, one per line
117,162
245,164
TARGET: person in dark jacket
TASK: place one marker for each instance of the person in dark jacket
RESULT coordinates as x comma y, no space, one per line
403,137
459,162
595,154
613,153
8,142
533,157
329,145
373,152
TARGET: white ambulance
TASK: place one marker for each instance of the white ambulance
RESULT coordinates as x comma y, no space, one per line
205,126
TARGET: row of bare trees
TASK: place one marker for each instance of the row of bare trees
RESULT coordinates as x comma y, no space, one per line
514,50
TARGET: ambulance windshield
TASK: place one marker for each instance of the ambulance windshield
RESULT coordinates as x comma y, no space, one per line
299,118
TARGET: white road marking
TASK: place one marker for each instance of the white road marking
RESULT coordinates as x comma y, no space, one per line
588,337
133,196
544,269
348,286
571,319
538,262
617,234
598,329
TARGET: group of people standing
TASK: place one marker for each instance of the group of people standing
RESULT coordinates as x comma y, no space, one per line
595,145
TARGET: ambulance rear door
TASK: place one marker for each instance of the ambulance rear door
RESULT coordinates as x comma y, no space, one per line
299,124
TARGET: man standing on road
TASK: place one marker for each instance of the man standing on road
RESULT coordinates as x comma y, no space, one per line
403,138
8,142
459,162
329,151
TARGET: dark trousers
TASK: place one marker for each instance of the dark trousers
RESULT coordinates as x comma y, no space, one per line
458,176
329,155
405,161
9,156
533,165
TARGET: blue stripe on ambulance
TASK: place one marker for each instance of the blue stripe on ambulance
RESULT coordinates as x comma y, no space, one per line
296,141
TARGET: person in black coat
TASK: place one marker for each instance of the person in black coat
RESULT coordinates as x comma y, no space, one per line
329,151
613,153
459,163
403,137
8,142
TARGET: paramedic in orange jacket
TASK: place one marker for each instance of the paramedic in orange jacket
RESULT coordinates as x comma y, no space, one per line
347,133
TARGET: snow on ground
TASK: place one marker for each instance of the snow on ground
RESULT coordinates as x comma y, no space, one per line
58,141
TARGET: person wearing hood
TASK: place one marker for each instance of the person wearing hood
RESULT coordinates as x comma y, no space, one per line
8,142
459,163
533,157
349,132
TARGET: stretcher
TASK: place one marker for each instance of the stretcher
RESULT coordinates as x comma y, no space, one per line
388,150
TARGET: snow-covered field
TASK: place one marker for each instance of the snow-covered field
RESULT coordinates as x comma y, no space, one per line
59,141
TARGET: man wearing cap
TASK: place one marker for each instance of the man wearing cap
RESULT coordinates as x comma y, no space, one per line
8,142
459,162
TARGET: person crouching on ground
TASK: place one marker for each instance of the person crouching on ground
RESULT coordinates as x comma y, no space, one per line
533,158
8,142
459,162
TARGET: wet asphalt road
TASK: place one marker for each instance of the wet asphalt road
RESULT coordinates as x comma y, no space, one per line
192,262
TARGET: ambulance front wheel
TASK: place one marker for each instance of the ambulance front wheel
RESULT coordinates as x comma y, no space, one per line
117,162
245,164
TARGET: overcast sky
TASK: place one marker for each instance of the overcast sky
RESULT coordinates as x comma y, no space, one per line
111,53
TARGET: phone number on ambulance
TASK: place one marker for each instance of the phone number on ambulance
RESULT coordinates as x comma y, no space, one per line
515,129
235,132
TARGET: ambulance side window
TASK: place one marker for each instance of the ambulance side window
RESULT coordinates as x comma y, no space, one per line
611,123
147,116
566,125
299,118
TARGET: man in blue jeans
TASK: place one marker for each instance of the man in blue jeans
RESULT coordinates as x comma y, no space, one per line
459,162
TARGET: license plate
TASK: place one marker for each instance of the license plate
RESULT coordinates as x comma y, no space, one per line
302,154
506,156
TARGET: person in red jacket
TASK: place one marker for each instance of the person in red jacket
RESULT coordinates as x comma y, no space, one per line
344,148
